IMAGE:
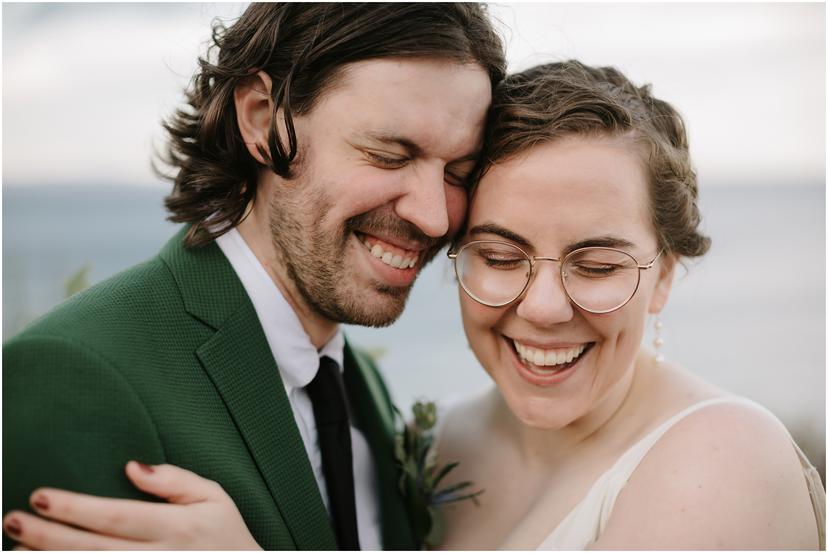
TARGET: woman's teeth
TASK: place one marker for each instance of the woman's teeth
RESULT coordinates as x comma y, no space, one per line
548,357
389,258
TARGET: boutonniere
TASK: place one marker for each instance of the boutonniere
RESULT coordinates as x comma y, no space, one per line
420,476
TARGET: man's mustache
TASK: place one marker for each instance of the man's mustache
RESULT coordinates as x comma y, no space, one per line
385,223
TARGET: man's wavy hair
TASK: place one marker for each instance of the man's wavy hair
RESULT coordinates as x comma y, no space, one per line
555,100
301,47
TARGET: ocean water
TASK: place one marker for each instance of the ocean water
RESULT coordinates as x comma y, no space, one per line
750,316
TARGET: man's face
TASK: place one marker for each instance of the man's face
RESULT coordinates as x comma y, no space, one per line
380,184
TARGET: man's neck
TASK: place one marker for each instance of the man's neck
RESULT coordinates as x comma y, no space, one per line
256,234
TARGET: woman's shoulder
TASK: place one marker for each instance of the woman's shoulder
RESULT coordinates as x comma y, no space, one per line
724,429
462,420
694,411
724,473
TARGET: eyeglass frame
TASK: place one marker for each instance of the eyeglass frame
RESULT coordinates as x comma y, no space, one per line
533,258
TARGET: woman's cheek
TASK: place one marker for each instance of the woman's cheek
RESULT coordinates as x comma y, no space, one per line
479,323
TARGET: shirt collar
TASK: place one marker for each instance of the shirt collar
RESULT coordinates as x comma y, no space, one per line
295,355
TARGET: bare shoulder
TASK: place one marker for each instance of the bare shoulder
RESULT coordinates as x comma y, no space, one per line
726,476
462,426
465,437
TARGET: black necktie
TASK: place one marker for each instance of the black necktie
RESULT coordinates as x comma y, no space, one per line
327,393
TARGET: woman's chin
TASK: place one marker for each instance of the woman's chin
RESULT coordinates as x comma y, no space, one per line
540,413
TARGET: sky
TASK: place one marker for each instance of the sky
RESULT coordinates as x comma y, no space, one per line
85,85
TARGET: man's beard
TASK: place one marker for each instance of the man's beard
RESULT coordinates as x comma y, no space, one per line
315,258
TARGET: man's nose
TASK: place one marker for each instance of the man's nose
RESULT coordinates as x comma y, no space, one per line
423,202
545,301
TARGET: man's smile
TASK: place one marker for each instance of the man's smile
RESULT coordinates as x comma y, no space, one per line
390,254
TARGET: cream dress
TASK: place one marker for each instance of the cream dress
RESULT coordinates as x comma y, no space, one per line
585,523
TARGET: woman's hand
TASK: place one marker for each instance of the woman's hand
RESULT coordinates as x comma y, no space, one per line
199,515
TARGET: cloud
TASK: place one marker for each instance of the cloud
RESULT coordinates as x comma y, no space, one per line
85,85
748,78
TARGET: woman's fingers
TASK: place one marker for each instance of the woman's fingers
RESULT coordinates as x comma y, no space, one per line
200,514
36,533
120,518
130,519
174,484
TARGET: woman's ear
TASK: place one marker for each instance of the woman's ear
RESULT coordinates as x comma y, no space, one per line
254,112
665,282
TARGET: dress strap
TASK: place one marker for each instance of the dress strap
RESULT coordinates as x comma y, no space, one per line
628,462
586,522
816,490
815,487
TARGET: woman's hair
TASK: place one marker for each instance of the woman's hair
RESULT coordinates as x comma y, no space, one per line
302,47
556,100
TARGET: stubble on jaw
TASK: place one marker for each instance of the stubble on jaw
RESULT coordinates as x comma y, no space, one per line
316,257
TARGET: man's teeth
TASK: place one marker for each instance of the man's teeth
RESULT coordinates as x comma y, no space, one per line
395,260
548,357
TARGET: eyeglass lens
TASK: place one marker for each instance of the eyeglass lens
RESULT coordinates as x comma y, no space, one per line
596,279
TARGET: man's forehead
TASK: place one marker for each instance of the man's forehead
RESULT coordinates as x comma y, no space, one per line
412,78
399,66
422,105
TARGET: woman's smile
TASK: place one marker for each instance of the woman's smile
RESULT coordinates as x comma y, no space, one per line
549,364
554,199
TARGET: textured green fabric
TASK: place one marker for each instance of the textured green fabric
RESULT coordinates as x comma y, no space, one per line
167,363
374,416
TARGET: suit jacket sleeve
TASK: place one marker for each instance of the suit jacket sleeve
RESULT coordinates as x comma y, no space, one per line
70,420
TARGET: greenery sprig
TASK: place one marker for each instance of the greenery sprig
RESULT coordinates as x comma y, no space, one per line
420,477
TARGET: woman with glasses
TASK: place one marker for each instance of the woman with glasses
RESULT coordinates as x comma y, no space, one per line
585,204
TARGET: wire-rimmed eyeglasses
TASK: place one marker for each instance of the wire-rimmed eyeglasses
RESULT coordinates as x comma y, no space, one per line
596,279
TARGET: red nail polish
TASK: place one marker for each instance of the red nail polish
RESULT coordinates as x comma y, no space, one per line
41,502
146,468
13,527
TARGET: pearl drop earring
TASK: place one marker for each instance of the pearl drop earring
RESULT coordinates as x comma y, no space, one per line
657,340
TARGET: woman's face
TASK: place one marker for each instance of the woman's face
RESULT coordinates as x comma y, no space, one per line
570,193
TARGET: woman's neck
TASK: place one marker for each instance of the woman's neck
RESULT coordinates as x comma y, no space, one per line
540,447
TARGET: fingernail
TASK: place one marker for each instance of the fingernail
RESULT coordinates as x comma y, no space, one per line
146,468
41,502
13,527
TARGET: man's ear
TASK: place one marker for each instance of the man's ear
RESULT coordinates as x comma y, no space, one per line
666,269
254,112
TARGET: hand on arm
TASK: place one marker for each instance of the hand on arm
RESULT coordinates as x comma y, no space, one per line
198,515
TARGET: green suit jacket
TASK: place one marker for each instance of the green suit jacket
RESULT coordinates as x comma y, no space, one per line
167,363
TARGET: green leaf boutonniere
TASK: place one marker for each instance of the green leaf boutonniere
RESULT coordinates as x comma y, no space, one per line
420,475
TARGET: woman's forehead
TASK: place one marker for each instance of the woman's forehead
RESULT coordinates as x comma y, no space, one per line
572,187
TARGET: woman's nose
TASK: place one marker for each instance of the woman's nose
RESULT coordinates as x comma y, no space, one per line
545,302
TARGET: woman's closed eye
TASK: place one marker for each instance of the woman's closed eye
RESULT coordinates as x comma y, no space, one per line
596,270
501,261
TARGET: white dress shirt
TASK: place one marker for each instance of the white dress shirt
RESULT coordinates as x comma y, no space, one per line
298,362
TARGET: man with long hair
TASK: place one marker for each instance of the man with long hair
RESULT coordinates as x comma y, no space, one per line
320,161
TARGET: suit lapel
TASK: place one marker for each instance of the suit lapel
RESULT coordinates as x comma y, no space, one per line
374,416
240,364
